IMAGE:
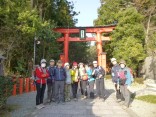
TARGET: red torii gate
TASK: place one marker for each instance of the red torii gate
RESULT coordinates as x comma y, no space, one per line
99,30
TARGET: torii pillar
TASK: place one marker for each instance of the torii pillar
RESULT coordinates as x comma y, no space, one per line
66,47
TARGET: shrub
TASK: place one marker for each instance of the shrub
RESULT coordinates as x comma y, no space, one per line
6,86
148,98
139,80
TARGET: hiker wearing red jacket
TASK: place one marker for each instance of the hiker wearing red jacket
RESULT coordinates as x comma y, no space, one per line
41,76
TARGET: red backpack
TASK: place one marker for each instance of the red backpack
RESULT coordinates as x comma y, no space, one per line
122,77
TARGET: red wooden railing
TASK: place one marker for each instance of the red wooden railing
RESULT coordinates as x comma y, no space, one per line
23,85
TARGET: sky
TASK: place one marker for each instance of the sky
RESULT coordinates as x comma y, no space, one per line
88,11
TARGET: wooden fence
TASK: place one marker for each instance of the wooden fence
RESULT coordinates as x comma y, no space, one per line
23,85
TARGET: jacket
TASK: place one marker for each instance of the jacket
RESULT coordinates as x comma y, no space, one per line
41,75
59,74
89,73
127,75
99,71
51,70
114,73
74,75
68,78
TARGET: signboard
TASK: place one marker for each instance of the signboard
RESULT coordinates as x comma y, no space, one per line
82,33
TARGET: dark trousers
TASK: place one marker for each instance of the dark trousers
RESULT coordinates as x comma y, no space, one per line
118,93
51,91
59,91
126,94
40,93
84,87
74,89
81,89
91,87
100,87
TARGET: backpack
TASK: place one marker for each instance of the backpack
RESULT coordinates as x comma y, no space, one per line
122,77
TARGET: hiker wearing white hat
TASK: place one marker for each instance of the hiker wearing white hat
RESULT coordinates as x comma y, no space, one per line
99,73
41,75
114,74
67,82
83,80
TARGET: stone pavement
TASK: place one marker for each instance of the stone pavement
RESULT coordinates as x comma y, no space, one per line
81,108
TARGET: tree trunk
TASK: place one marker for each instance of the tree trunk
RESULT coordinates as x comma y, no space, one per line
148,28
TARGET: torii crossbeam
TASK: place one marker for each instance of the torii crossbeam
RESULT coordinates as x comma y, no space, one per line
99,30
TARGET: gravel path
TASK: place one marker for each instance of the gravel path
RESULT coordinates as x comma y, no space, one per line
81,108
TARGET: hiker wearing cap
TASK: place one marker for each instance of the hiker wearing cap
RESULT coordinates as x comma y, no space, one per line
83,80
68,82
75,79
99,73
91,80
50,82
41,75
124,81
114,74
60,77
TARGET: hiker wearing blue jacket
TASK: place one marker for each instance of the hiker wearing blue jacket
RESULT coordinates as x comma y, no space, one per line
125,81
91,80
50,82
114,74
59,77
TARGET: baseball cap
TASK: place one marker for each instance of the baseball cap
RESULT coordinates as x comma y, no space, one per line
52,60
66,64
43,61
113,59
94,62
74,63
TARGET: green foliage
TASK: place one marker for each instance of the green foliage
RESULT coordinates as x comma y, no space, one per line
21,21
78,52
148,98
5,110
6,85
128,37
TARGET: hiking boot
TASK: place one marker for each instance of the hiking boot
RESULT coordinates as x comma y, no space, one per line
62,102
122,102
118,100
53,100
124,107
42,106
75,99
48,101
38,107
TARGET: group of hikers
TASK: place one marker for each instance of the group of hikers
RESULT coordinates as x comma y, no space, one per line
64,81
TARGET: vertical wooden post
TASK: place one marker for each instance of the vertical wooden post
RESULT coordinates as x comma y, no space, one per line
27,85
99,47
14,87
104,61
20,85
31,85
66,47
